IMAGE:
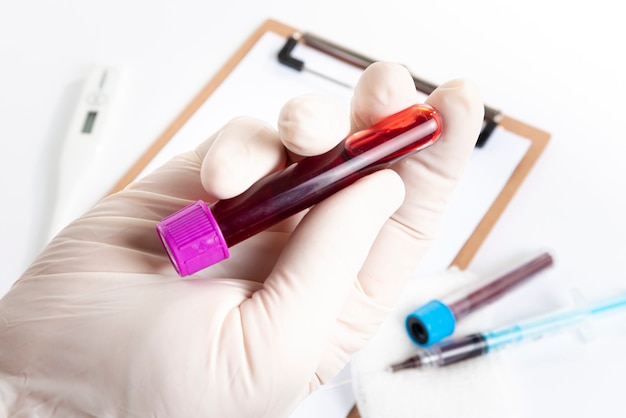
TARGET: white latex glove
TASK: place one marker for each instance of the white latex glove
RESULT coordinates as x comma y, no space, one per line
101,326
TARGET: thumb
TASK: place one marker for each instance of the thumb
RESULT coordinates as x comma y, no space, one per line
301,299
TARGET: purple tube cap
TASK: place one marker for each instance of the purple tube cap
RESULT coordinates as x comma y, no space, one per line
192,239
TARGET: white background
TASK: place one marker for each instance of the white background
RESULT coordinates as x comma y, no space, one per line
557,65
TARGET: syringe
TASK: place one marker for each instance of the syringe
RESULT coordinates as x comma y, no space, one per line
474,345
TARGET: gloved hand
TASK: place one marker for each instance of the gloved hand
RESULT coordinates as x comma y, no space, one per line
100,324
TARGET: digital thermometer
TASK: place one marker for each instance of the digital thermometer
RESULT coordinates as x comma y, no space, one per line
91,139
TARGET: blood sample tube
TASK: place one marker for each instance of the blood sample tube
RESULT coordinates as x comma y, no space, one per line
436,320
199,235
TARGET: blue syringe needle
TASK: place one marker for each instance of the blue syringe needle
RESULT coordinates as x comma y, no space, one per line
458,349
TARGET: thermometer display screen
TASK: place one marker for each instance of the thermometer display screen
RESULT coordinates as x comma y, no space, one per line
90,120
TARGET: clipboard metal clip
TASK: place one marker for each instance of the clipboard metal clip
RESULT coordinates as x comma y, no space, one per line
285,57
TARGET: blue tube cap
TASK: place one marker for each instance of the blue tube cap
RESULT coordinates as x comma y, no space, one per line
430,323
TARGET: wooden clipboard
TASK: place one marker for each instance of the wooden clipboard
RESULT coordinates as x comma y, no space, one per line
538,141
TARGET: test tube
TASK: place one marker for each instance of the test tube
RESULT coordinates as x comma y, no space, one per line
436,320
199,235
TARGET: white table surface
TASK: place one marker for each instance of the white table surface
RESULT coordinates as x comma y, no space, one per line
559,67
